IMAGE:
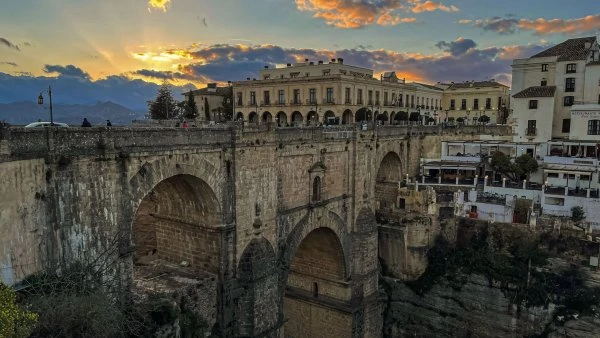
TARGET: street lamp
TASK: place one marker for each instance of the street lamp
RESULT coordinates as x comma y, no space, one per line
41,101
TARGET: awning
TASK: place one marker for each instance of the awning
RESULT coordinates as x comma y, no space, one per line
452,165
569,168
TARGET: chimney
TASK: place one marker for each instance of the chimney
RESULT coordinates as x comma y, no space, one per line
306,60
341,61
247,79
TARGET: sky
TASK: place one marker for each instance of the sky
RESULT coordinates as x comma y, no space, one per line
119,50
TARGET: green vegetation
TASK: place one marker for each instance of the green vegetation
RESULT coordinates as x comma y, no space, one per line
164,105
516,261
577,214
522,167
190,110
483,119
15,321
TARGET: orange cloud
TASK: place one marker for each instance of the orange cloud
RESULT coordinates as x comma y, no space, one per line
361,13
539,26
160,4
430,6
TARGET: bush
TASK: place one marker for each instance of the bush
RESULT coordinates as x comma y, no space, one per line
15,322
577,214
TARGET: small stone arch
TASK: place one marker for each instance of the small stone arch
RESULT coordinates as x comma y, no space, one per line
257,275
329,117
297,119
347,117
267,117
383,117
282,119
253,117
312,118
392,116
389,174
363,114
239,116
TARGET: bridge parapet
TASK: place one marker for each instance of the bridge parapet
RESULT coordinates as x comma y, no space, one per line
28,143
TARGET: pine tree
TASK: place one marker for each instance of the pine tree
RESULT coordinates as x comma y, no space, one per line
164,105
190,110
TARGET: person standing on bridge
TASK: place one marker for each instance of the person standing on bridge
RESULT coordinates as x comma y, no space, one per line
86,123
108,124
184,125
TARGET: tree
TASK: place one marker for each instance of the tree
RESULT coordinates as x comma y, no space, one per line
402,116
190,110
206,110
522,167
483,119
414,117
164,105
14,321
577,214
227,111
460,120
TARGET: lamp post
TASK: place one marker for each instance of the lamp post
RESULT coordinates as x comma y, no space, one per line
41,101
468,114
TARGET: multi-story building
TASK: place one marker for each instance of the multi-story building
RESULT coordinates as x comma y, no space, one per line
311,93
429,102
468,101
548,84
210,101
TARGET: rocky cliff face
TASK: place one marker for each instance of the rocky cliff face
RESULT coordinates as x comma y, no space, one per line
478,309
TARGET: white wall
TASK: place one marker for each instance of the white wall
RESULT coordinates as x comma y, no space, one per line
543,116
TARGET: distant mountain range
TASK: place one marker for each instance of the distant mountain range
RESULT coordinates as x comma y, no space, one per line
20,113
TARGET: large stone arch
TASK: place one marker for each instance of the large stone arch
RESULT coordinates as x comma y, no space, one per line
174,206
258,306
389,173
347,117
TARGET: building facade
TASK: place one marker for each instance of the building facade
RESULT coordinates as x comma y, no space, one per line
469,101
210,101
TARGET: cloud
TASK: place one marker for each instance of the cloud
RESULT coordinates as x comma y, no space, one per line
6,43
159,4
8,63
169,75
459,60
361,13
540,26
458,47
430,6
68,71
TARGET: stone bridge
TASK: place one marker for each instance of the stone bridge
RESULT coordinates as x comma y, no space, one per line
277,225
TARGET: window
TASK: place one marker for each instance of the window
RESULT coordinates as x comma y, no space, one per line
412,101
385,98
553,175
294,75
281,95
266,98
370,96
377,97
316,193
463,104
239,99
359,96
476,104
401,203
533,104
568,101
544,67
329,95
400,103
326,72
307,74
570,84
312,96
598,99
584,177
266,77
347,94
571,176
531,128
296,96
252,98
571,68
566,125
544,83
488,103
593,127
452,104
315,289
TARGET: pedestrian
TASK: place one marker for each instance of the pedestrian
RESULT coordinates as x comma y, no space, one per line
184,125
108,124
86,123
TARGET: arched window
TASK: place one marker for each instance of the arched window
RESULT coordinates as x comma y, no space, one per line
316,193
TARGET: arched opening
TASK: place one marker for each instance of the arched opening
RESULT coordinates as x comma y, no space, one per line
312,119
330,119
253,117
347,117
383,118
297,119
171,221
239,117
257,274
316,189
362,115
267,117
315,281
282,119
392,116
386,185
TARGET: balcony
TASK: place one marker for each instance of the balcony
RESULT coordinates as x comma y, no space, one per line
531,132
295,102
466,159
570,160
311,101
239,103
280,103
251,103
265,103
330,101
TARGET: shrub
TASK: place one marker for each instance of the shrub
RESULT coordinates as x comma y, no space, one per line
15,322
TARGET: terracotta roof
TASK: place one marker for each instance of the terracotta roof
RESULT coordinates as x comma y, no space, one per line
475,84
537,91
570,50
